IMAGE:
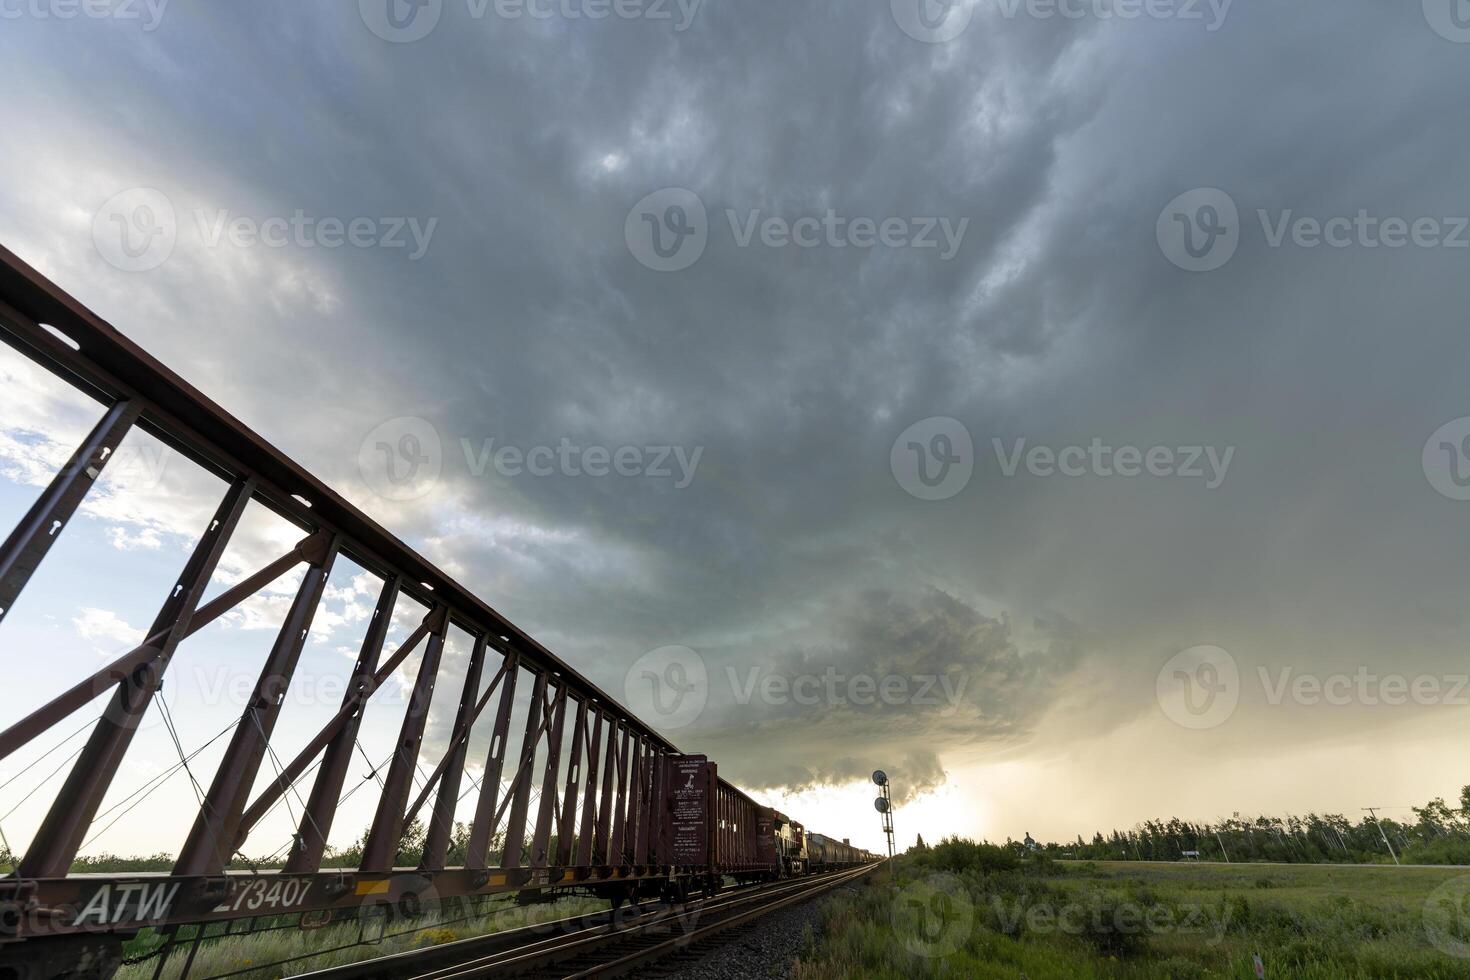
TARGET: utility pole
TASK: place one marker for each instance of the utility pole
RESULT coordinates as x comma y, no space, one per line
1381,833
1222,847
884,805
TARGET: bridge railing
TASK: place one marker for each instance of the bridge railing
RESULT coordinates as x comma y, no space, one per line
595,816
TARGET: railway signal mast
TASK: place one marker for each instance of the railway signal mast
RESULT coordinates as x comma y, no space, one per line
884,805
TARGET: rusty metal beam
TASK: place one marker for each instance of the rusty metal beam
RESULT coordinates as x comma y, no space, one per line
438,773
587,837
615,854
546,812
566,828
482,828
80,694
62,831
441,823
321,805
42,525
600,853
211,842
630,803
112,368
515,830
387,829
354,703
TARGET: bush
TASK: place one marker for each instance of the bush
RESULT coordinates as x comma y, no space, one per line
1180,968
958,855
1111,926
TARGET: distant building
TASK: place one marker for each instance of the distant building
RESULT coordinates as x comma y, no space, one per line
1029,843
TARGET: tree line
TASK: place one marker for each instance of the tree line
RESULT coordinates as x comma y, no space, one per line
1438,833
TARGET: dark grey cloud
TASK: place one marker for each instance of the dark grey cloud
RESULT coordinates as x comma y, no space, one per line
1059,320
878,680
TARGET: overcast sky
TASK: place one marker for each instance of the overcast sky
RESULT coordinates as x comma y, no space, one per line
842,326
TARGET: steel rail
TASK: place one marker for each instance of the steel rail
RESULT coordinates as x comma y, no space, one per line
460,950
679,944
728,911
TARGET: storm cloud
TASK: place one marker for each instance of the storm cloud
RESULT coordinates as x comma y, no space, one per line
532,319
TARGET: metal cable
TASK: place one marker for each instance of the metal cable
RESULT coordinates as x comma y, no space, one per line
168,722
157,781
53,748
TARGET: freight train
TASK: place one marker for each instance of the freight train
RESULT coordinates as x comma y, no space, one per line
711,831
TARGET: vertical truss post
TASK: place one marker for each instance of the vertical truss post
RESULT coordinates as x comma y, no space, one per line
441,820
546,812
28,543
387,829
635,803
566,830
656,811
600,832
588,832
321,805
211,842
482,830
515,828
615,854
650,804
61,833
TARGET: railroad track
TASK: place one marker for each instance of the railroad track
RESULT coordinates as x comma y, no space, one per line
604,946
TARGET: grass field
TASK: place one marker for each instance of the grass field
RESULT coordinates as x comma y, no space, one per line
254,954
960,910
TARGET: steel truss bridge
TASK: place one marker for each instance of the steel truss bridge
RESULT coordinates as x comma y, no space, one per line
597,822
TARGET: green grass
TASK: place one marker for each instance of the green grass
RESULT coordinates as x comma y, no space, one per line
968,912
259,949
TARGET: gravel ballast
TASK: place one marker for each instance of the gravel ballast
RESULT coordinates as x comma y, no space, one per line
761,951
